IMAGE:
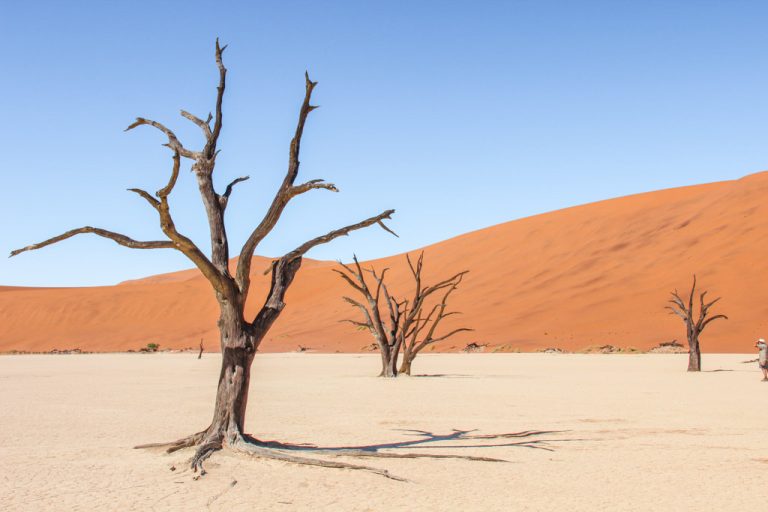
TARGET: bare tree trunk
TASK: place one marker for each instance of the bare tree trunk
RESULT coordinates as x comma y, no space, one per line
388,361
694,352
391,369
232,395
408,356
237,353
405,367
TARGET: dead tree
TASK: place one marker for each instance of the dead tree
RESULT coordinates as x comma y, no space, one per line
400,325
693,328
240,335
419,331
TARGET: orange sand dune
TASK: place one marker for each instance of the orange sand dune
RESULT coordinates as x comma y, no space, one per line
590,275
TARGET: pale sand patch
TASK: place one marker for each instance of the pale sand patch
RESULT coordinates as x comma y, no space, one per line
640,433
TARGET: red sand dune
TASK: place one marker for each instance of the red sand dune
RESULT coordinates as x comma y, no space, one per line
591,275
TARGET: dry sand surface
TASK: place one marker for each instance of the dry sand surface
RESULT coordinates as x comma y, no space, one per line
632,432
592,275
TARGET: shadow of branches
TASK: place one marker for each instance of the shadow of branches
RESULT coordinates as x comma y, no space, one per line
425,439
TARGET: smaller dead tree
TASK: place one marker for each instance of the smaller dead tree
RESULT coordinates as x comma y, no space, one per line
400,325
693,328
419,331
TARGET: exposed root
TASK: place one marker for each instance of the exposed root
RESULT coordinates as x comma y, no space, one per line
271,453
184,442
203,452
208,443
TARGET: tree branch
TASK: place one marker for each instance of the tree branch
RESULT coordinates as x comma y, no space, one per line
348,279
441,314
311,185
224,198
282,196
203,168
117,237
284,270
199,122
368,320
690,299
143,193
210,147
676,312
324,239
356,323
446,336
173,141
386,228
712,319
166,190
704,310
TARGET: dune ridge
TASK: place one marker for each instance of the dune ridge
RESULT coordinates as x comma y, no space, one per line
584,276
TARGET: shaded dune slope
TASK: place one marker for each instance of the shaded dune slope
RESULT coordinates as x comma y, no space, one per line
590,275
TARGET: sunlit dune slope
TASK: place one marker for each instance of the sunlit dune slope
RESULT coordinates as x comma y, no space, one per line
590,275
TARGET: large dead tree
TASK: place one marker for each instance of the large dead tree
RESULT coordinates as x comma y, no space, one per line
240,335
693,327
400,324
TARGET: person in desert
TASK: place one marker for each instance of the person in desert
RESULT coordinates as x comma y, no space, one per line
762,358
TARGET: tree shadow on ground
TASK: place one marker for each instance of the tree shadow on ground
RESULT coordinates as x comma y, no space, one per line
441,376
425,439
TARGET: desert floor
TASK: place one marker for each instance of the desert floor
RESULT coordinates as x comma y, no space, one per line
630,432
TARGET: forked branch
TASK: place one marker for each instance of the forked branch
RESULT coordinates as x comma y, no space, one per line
282,197
285,268
173,141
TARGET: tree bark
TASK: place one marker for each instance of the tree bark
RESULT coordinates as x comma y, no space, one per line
389,359
405,367
390,370
694,353
238,348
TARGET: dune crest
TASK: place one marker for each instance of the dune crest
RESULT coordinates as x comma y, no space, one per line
590,275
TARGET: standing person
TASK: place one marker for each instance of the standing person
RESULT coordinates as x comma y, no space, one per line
762,359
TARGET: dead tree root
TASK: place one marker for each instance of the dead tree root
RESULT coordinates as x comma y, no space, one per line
272,453
184,442
207,445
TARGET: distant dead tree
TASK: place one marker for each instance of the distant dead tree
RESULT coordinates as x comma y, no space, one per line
400,324
200,354
240,335
693,328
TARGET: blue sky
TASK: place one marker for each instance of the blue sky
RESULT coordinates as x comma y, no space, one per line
459,115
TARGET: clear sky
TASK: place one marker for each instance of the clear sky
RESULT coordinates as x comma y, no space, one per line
458,114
